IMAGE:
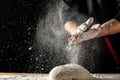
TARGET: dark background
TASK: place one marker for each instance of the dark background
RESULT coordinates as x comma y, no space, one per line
18,22
19,50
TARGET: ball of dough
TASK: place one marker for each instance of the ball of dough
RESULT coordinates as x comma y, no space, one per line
69,72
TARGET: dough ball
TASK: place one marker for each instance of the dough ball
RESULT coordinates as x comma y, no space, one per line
69,72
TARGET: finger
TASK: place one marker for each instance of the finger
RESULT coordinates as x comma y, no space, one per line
90,21
72,42
76,40
71,38
85,25
95,26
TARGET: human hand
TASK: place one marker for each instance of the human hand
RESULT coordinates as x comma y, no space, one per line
80,35
108,28
92,33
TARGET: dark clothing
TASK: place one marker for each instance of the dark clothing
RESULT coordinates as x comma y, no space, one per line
94,54
102,10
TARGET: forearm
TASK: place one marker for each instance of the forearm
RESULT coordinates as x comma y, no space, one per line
110,27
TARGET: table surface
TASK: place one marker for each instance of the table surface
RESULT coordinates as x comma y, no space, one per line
38,76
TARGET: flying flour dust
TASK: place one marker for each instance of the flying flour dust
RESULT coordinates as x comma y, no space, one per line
52,39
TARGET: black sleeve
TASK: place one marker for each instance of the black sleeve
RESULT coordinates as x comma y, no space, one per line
117,17
72,14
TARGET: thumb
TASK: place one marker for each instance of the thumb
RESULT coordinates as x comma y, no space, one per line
95,26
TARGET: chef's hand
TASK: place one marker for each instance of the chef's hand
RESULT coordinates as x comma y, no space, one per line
108,28
79,30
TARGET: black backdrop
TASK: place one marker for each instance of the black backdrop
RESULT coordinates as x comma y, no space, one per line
18,23
18,19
